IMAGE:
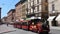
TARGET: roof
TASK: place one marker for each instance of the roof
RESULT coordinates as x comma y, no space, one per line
20,2
11,10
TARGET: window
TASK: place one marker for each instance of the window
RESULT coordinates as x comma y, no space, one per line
46,0
37,1
46,7
33,7
38,5
38,8
53,7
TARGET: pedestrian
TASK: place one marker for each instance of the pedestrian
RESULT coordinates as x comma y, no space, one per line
7,24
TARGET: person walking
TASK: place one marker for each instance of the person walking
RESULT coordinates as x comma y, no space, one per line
7,24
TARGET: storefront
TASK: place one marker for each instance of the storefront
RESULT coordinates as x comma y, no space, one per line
50,19
58,19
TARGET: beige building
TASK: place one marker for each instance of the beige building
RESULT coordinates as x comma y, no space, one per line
20,10
54,7
38,8
54,10
34,8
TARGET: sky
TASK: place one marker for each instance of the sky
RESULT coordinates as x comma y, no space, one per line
6,5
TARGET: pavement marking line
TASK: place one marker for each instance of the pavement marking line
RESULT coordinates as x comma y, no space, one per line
7,32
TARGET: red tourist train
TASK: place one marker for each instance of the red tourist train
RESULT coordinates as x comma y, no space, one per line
34,25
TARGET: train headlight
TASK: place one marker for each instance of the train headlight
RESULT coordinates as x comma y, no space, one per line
34,26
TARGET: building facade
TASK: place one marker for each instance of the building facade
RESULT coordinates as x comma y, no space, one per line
20,9
24,6
11,15
54,10
54,7
4,20
34,8
38,8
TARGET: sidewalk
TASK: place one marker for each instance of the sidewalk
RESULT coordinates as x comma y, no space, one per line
55,28
4,28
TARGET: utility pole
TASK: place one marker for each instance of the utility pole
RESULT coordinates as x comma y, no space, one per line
44,10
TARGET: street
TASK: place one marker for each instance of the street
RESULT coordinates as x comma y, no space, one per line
55,31
39,16
18,31
10,30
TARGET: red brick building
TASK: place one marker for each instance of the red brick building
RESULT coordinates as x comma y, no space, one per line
20,10
11,15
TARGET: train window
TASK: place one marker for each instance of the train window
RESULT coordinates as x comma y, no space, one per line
24,23
35,21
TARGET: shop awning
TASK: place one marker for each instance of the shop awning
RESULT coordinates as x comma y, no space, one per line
33,17
28,19
39,17
51,18
21,20
58,18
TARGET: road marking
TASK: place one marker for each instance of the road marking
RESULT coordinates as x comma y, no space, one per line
7,32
